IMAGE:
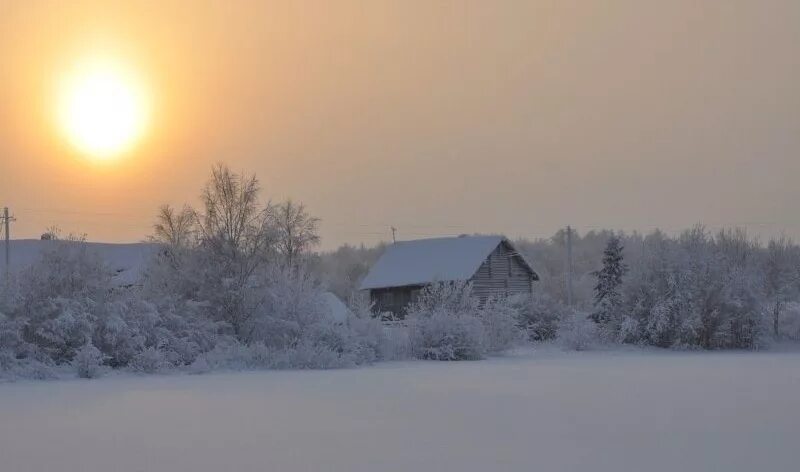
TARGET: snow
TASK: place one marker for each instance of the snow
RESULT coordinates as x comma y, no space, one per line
554,411
126,260
430,260
337,310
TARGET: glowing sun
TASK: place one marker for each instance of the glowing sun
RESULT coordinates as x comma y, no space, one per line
102,108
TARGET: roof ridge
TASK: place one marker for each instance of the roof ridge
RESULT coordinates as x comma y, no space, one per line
421,261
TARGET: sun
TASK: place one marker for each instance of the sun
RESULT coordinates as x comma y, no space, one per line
102,108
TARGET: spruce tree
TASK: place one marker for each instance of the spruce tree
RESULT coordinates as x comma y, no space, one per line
607,296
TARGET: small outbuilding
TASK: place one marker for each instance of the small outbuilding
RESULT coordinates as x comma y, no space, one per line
490,263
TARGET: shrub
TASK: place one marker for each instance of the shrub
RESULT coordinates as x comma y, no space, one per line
447,322
501,321
12,368
446,336
88,362
577,332
541,315
150,360
397,344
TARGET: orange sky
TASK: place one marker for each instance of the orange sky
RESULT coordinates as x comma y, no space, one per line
435,117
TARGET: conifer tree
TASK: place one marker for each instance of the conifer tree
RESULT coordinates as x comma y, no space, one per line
607,297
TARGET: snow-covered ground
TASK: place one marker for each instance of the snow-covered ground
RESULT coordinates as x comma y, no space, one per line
553,411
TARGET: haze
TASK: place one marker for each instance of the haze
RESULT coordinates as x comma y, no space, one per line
434,117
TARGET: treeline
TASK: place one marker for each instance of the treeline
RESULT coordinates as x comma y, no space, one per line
696,289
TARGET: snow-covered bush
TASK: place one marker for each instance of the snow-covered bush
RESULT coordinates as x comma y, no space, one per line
55,302
448,322
397,344
69,270
88,362
150,360
129,326
577,331
12,368
289,303
374,339
19,359
369,340
444,324
502,324
60,328
446,336
388,340
541,315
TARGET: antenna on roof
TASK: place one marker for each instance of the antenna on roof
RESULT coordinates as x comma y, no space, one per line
394,234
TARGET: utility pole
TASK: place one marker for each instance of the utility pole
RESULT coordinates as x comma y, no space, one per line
569,266
6,226
394,235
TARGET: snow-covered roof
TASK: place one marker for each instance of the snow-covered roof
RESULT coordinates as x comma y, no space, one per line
127,261
424,261
337,310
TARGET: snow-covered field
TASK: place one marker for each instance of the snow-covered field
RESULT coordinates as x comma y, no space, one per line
553,411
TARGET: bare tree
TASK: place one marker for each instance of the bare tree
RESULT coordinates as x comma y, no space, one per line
232,222
781,277
52,233
175,228
296,231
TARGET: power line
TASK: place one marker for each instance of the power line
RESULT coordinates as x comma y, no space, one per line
375,229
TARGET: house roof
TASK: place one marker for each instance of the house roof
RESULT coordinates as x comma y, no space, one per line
127,261
424,261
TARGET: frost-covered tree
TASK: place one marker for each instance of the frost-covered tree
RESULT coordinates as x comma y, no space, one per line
782,277
211,256
58,298
232,221
88,362
607,291
343,270
295,230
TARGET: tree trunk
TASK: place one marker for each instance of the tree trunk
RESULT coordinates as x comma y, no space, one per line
776,314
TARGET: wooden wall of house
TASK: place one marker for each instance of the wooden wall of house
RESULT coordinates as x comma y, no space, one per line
502,274
394,300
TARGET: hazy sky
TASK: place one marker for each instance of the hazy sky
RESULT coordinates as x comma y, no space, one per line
434,117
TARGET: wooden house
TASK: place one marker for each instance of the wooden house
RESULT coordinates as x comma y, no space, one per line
490,263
